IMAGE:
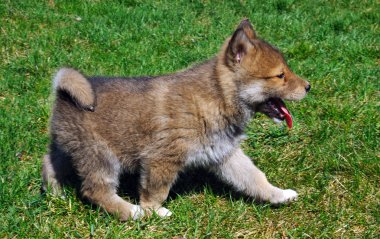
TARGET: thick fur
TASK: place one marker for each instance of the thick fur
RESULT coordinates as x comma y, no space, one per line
161,125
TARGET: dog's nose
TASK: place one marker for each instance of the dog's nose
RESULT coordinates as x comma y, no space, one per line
308,87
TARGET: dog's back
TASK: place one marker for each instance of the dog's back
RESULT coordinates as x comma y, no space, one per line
133,115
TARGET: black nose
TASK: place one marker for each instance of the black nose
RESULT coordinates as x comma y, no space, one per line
308,87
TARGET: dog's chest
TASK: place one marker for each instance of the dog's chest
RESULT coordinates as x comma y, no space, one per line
214,149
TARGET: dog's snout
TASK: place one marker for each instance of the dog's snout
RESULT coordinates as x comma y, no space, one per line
308,88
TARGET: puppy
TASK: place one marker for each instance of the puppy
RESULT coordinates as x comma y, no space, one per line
161,125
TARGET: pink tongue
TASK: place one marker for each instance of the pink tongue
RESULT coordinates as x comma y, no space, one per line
288,117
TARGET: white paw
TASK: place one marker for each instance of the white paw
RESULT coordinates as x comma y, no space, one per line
289,195
137,212
163,212
285,196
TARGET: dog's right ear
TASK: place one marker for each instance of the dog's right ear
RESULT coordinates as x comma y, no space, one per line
240,42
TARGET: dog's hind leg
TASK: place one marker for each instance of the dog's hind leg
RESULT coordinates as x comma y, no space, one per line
244,176
50,180
57,171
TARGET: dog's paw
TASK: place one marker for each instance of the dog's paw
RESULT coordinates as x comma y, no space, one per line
163,212
290,195
137,212
286,196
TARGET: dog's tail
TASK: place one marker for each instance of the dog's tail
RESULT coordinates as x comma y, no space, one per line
76,86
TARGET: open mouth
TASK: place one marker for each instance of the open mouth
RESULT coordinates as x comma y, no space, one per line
275,108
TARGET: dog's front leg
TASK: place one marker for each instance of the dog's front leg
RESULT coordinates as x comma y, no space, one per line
243,175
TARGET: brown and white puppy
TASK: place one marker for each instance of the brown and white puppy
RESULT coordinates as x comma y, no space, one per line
161,125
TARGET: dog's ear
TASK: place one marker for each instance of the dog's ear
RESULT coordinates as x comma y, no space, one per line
240,42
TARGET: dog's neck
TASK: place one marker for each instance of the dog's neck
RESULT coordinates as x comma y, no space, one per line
228,82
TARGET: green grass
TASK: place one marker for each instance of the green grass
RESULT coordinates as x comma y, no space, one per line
331,157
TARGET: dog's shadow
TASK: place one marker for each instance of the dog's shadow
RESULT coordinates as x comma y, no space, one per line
192,181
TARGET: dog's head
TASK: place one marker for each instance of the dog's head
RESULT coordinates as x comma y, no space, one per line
264,78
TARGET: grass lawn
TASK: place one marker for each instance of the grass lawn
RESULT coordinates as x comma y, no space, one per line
331,156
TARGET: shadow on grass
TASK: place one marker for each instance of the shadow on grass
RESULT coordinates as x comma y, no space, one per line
192,181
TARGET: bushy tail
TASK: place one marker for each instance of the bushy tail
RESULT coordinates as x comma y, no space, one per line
77,86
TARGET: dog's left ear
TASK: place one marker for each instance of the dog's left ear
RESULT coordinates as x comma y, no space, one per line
241,41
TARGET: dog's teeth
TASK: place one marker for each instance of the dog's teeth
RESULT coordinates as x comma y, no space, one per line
277,121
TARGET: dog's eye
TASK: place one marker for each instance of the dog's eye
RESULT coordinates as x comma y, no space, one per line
281,76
